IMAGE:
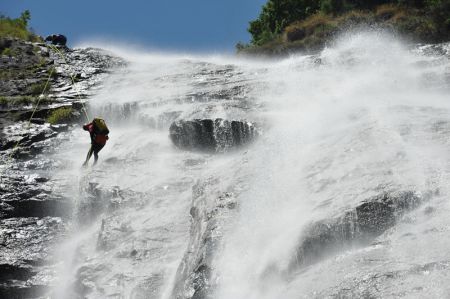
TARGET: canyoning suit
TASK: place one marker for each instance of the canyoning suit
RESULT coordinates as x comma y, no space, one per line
98,139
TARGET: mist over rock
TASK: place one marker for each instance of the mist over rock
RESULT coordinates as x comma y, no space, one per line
210,135
208,216
319,240
354,228
330,203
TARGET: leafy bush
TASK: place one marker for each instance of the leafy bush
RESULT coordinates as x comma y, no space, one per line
8,52
355,18
60,115
387,11
319,23
334,6
3,101
439,11
276,15
39,88
22,100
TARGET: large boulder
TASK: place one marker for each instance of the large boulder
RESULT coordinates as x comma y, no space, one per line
209,135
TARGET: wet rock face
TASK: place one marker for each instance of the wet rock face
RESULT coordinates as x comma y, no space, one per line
25,134
25,255
33,214
30,196
193,279
66,78
211,135
358,226
36,73
22,67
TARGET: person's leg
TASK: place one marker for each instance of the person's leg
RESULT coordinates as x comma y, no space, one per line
97,148
88,157
95,156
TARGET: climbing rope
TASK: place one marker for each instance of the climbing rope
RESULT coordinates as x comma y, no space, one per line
41,96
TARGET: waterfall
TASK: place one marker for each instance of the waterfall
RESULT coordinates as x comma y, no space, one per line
313,176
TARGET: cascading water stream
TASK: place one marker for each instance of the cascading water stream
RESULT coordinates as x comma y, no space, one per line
355,122
363,118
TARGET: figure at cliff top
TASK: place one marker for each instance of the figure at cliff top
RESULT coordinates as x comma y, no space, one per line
99,135
57,39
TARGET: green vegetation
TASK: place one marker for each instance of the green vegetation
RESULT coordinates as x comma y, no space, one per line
39,88
276,15
15,101
3,101
8,52
52,73
60,115
308,24
30,71
18,28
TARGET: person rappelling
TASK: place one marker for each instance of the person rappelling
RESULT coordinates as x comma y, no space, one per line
99,135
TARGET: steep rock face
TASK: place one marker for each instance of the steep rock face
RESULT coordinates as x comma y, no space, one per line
33,212
30,65
30,196
356,227
193,279
26,64
37,79
212,135
25,257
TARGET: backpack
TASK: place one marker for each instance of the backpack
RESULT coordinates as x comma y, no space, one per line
100,139
100,126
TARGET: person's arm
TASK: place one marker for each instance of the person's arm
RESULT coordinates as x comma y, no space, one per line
86,126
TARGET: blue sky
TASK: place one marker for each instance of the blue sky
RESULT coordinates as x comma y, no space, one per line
184,25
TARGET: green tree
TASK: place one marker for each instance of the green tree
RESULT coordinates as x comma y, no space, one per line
25,17
277,14
439,11
332,6
17,27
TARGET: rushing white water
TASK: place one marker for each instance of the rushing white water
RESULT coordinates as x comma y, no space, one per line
371,117
365,116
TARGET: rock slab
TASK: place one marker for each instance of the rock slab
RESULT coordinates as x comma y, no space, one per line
210,135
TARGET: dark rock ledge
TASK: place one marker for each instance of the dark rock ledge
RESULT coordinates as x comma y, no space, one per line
26,256
210,135
357,227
